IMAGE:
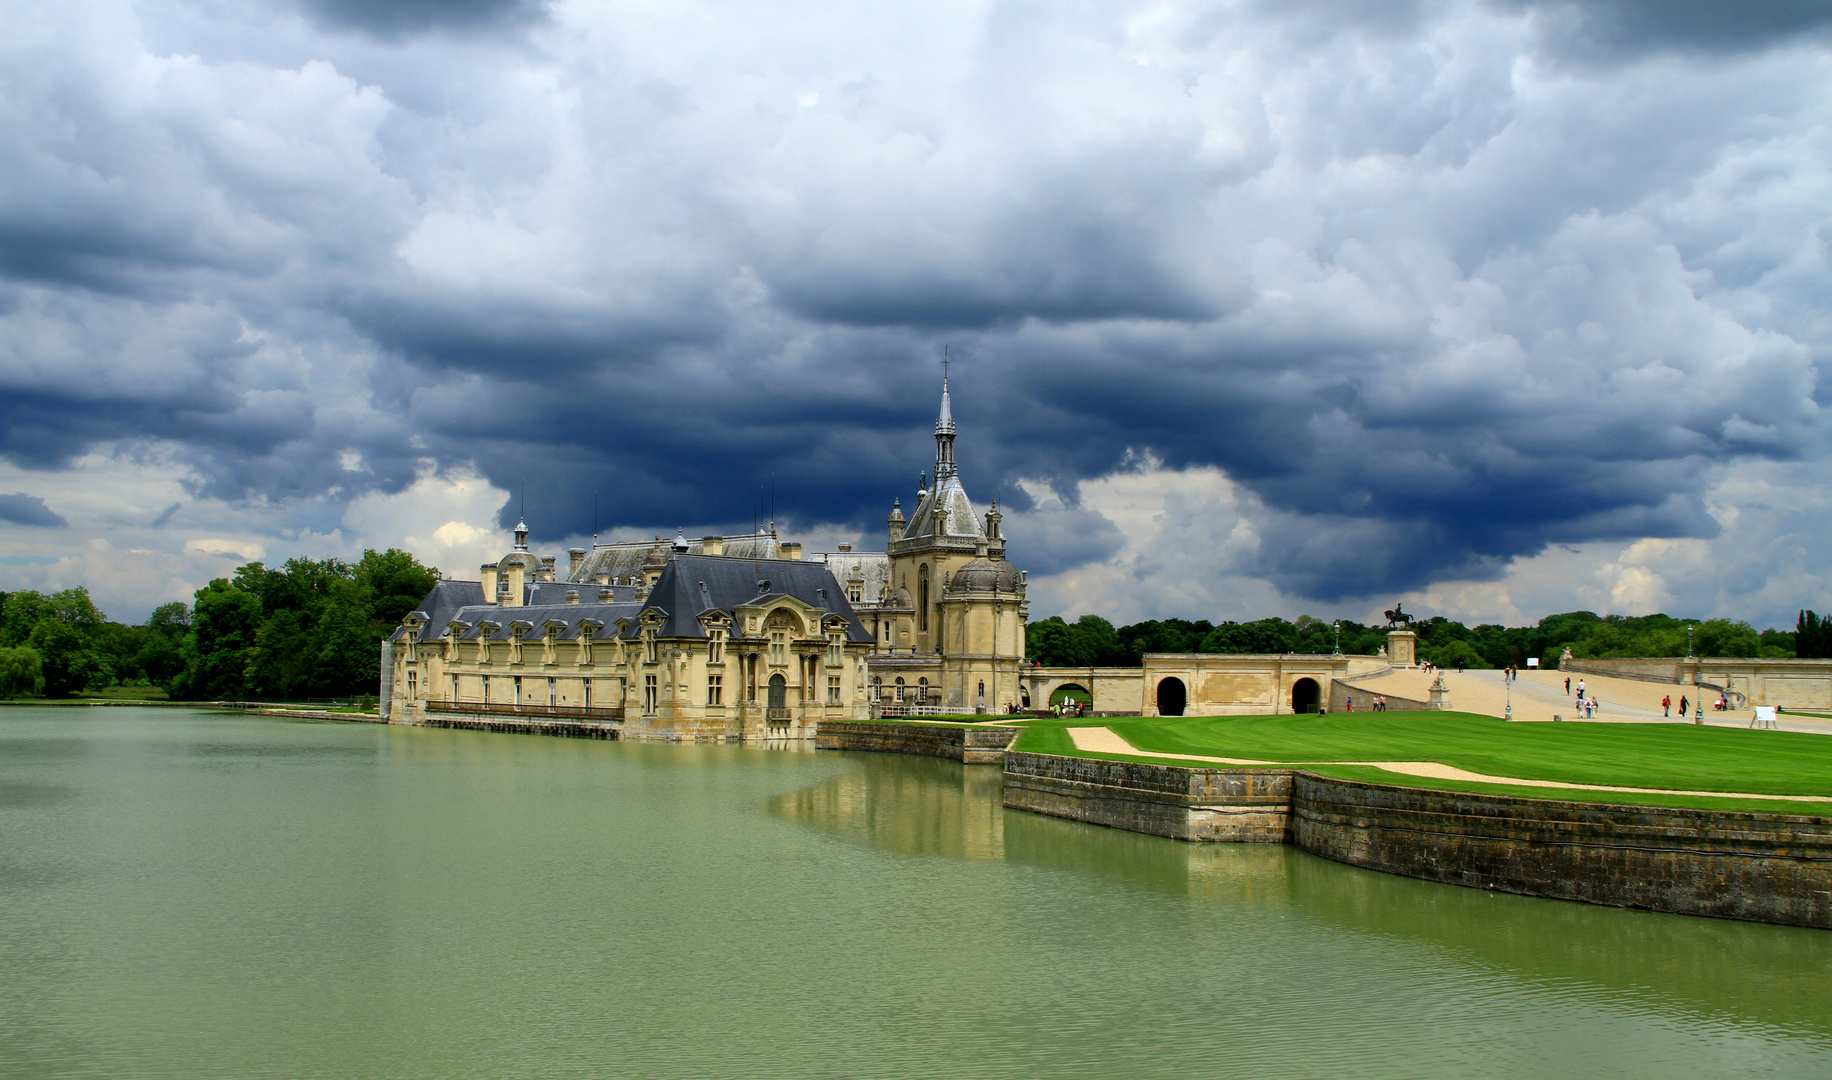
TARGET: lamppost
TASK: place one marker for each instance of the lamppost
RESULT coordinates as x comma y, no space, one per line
1688,643
1507,680
1338,628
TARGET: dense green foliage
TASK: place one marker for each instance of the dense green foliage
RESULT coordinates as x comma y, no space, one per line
1670,756
1813,636
1092,640
308,629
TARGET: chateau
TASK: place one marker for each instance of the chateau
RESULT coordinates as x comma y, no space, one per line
730,637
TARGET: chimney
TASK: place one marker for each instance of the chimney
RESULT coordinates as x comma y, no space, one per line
712,545
791,550
514,596
545,573
605,596
577,557
845,548
602,577
489,582
572,596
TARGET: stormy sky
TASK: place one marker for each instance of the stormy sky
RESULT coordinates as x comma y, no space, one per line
1500,307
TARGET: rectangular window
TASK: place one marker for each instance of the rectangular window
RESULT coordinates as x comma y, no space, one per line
854,593
715,689
553,692
651,693
413,685
648,646
779,647
486,689
588,693
454,689
833,689
833,650
715,648
518,689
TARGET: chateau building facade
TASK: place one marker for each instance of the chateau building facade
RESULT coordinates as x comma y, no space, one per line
730,637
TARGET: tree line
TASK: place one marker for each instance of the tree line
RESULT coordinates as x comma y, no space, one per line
311,628
1092,640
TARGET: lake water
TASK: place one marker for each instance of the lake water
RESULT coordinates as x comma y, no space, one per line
189,894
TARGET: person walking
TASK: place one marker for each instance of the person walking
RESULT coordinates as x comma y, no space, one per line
1567,684
1682,706
1666,705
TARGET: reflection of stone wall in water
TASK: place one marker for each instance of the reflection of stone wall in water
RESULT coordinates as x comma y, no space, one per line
913,805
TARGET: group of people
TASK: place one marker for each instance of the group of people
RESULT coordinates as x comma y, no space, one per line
1586,706
1379,704
1070,707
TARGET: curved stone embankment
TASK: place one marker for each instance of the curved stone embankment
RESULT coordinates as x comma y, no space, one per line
969,745
1772,868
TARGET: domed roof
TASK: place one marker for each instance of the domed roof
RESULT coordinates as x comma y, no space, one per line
984,575
520,558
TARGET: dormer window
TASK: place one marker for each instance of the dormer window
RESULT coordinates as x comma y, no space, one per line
855,593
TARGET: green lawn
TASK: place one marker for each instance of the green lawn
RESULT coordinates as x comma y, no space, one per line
1681,756
126,693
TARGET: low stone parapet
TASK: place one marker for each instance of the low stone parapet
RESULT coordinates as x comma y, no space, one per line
523,725
969,745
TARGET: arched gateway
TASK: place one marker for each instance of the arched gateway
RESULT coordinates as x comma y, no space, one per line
1172,696
1305,696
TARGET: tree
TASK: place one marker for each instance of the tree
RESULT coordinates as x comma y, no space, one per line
224,624
65,637
21,672
1813,637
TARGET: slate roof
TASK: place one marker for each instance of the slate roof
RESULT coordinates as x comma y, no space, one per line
695,584
625,560
962,522
873,569
442,604
571,615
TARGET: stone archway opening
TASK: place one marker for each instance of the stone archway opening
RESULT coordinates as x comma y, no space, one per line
1172,697
1306,695
1071,692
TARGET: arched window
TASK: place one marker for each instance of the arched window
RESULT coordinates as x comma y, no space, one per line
899,688
922,689
922,598
877,688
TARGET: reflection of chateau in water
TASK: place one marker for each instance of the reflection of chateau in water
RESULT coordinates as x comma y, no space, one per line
913,805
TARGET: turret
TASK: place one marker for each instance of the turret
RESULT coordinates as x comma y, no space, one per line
895,521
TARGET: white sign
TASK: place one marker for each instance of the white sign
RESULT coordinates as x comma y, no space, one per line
1532,661
1765,716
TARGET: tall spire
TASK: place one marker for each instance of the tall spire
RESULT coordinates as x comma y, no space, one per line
944,427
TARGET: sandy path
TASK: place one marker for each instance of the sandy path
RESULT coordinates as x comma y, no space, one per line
1102,740
1540,695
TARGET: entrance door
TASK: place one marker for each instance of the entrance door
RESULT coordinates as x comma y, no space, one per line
779,692
1305,694
1171,697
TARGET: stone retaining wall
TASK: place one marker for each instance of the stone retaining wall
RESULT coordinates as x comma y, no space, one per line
969,745
1238,805
1340,691
1771,868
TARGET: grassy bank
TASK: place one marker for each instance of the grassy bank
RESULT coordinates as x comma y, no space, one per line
1681,756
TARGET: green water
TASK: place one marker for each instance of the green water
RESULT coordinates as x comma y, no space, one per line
210,895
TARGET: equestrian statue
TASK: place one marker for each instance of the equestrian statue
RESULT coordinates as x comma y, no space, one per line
1398,617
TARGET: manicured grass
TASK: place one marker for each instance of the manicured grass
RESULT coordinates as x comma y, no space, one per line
126,693
1634,755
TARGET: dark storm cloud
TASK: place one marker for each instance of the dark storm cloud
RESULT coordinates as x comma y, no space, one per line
22,509
1432,307
1600,29
395,19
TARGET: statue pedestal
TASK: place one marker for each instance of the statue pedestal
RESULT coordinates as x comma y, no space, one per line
1403,648
1440,695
